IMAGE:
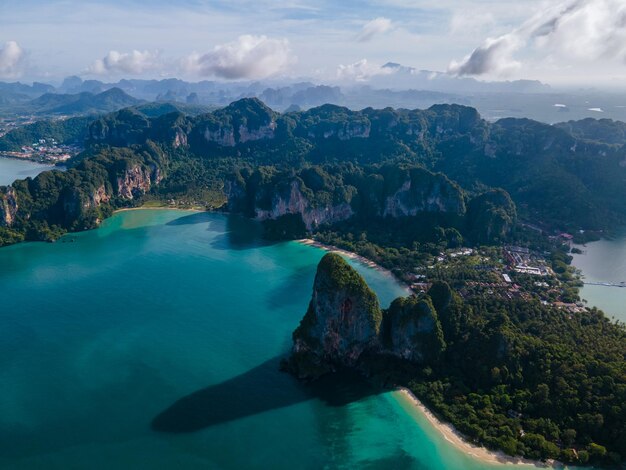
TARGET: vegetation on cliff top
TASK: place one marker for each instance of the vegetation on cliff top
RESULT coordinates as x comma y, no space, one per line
513,375
333,275
567,180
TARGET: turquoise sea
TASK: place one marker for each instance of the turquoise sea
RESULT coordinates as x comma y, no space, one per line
12,169
103,331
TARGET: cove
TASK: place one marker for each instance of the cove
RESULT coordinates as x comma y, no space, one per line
105,331
12,169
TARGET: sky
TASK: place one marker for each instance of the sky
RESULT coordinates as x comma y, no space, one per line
578,43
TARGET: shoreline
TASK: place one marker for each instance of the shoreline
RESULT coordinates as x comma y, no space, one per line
31,160
356,257
459,441
158,208
447,430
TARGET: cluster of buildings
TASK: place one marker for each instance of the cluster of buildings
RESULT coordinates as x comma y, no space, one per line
505,278
523,261
45,150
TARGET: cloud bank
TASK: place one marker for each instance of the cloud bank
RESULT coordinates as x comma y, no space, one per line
132,63
361,71
12,60
373,28
581,30
249,57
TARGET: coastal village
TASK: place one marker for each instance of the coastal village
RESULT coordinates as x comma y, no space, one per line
509,272
46,150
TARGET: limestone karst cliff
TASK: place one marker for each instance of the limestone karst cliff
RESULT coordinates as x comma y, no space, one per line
8,206
342,322
344,325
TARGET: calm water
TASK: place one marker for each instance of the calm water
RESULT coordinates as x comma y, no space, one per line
103,331
12,169
605,261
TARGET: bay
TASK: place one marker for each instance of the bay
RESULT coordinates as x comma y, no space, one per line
12,169
604,261
105,330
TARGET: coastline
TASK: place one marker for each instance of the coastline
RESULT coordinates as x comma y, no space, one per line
158,208
458,440
31,160
353,256
447,430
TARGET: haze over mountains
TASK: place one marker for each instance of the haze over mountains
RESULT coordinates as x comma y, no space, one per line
392,85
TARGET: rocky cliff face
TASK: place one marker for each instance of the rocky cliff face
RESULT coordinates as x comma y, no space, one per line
413,330
8,206
424,192
320,198
137,181
75,203
345,327
342,322
290,199
229,136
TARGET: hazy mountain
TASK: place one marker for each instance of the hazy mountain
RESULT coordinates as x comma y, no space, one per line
81,103
397,76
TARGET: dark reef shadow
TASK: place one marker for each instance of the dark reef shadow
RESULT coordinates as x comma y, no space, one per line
241,233
195,218
236,231
261,389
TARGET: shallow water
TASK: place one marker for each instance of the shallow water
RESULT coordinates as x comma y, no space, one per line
103,331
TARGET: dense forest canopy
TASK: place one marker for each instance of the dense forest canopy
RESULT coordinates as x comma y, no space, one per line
398,186
563,176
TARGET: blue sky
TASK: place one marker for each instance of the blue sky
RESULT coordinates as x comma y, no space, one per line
324,40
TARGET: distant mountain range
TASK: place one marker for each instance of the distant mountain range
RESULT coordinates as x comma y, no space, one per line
393,85
398,76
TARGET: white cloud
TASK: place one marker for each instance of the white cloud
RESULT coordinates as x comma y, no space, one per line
361,71
582,30
12,60
494,56
249,57
372,28
135,63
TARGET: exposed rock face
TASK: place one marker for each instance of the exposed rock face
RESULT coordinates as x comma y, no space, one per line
345,327
262,133
8,206
180,139
137,180
413,331
224,136
343,321
342,131
98,197
424,192
227,137
290,199
76,204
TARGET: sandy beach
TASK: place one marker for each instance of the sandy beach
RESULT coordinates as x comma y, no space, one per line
457,439
158,208
348,254
448,431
